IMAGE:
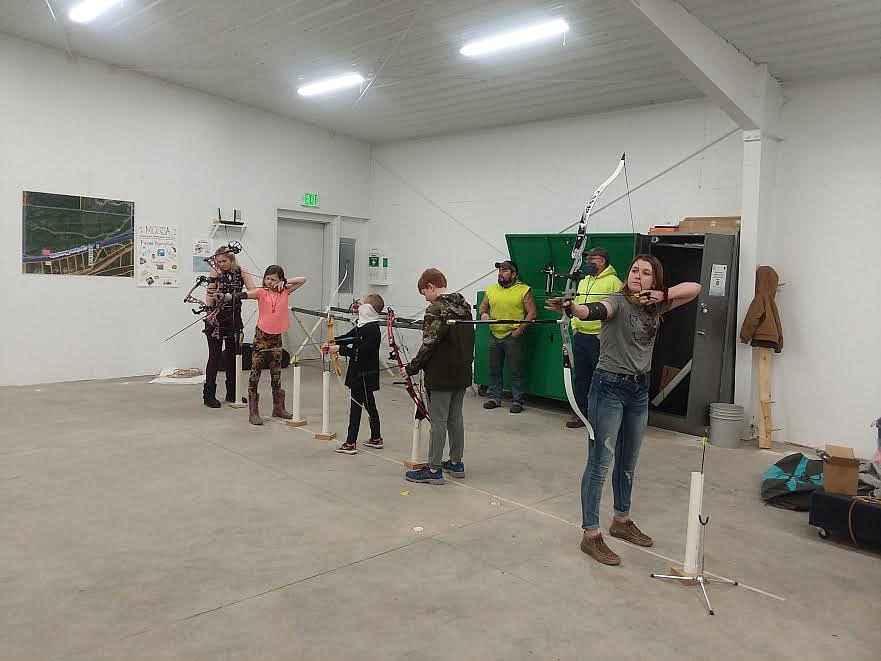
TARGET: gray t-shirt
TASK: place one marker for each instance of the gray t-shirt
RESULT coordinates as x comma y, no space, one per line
628,338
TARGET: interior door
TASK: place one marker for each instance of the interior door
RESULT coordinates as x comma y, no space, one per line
301,252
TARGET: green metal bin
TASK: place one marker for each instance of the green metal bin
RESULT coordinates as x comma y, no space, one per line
533,253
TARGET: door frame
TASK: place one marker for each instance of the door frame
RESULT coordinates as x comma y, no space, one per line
332,222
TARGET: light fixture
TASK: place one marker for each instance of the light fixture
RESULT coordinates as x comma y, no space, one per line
331,84
89,10
515,38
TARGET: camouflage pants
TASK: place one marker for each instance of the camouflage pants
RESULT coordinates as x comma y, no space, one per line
265,350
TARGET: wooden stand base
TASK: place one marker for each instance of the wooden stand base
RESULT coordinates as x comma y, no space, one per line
414,465
325,436
296,423
675,571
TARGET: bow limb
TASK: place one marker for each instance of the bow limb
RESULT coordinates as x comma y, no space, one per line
570,293
204,308
421,409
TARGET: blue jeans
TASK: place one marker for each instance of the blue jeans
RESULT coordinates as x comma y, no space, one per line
509,348
618,412
586,347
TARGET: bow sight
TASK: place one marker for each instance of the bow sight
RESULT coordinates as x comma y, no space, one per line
551,274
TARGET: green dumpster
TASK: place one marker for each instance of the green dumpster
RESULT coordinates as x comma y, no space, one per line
534,253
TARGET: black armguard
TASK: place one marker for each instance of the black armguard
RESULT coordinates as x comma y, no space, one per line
596,311
239,295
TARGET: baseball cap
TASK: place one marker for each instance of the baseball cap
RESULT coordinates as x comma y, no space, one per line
507,264
599,252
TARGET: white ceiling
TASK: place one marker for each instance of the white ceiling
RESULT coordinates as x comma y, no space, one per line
258,51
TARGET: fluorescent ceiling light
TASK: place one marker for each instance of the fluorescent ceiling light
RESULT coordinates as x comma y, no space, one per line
331,84
516,38
89,10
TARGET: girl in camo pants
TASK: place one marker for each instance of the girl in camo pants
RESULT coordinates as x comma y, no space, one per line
266,350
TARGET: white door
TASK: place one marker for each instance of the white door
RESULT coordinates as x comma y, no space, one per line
301,252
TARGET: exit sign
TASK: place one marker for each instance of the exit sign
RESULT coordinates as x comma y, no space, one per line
310,199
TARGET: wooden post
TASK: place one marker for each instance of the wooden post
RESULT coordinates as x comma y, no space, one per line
765,426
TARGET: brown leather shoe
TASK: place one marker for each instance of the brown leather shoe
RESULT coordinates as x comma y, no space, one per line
596,548
629,532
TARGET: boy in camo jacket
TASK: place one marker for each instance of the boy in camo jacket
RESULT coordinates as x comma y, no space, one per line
445,356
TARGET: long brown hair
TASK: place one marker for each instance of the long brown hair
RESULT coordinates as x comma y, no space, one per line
654,311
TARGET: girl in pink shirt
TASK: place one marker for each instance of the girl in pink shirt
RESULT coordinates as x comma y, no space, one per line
272,321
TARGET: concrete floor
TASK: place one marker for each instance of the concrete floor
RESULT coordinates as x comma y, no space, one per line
138,524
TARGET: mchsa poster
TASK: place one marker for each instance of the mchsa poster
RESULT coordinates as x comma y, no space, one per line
156,256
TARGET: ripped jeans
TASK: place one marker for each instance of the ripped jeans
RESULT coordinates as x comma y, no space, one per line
618,412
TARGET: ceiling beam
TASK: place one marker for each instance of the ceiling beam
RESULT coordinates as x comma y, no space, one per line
742,89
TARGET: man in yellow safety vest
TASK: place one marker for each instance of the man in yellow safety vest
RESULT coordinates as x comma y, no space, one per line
600,281
507,299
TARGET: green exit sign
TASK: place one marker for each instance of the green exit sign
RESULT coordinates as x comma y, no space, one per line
310,199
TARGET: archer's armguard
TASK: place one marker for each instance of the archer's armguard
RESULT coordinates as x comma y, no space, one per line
596,312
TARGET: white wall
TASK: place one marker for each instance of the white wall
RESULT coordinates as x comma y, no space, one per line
536,178
827,248
464,193
77,127
82,128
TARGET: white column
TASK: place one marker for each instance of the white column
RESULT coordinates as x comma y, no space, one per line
298,420
691,566
757,200
325,434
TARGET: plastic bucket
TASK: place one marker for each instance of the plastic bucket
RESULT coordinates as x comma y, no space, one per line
726,424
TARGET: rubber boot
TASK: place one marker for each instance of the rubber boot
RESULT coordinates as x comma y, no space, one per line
278,410
254,408
208,398
230,390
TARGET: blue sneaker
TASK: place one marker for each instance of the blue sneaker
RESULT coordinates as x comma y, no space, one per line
425,475
454,469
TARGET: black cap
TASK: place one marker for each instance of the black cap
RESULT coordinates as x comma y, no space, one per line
508,264
599,252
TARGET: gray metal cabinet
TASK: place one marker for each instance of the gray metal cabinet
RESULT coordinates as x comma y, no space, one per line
693,362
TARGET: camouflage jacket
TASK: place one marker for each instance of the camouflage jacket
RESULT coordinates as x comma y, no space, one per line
447,351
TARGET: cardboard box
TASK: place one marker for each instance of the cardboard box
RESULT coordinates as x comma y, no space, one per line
710,224
668,373
841,470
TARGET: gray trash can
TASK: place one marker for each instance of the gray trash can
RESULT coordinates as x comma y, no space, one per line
726,425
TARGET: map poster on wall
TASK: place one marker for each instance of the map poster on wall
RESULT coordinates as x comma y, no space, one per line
156,256
201,250
75,235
